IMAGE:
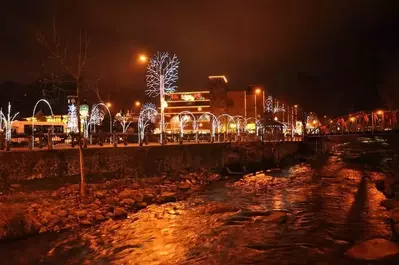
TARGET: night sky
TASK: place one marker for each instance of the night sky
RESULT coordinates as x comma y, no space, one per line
329,56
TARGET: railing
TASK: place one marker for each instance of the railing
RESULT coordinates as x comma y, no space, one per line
50,141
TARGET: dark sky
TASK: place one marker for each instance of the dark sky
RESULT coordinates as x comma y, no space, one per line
329,56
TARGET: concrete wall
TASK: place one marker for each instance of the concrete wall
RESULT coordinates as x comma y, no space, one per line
136,161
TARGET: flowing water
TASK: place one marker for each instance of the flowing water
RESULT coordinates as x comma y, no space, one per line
330,206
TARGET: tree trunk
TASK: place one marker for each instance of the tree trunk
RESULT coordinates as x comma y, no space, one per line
82,172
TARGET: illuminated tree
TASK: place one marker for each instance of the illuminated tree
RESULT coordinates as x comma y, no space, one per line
96,117
161,78
124,120
72,119
148,115
7,121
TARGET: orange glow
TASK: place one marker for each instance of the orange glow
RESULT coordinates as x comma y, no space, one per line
108,104
137,103
258,90
295,106
352,119
143,58
199,109
331,121
380,112
275,118
314,122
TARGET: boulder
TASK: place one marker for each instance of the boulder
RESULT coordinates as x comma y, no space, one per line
15,186
167,197
148,197
100,194
141,205
126,193
111,201
120,212
85,222
138,197
62,213
373,249
277,217
81,213
35,205
129,202
99,217
184,186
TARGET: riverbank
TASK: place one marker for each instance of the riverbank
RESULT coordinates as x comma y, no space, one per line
24,213
390,185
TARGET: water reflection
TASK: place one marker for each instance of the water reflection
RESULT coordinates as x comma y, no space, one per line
329,207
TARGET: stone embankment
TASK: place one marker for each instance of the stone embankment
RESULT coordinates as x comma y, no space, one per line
27,213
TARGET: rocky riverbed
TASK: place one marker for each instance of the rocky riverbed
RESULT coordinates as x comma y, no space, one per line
26,213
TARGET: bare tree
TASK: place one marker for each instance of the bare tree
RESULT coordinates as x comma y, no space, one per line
73,65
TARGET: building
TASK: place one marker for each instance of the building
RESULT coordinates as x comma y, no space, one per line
187,106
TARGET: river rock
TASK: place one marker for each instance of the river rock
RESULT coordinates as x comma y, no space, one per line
148,197
100,194
99,217
120,212
141,205
277,217
394,214
62,213
111,200
44,221
81,213
15,186
373,249
126,193
85,222
35,205
166,196
45,213
216,208
138,197
129,202
184,186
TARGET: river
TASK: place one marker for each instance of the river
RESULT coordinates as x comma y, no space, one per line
330,205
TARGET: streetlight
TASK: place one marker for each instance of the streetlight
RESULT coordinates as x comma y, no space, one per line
137,103
143,58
